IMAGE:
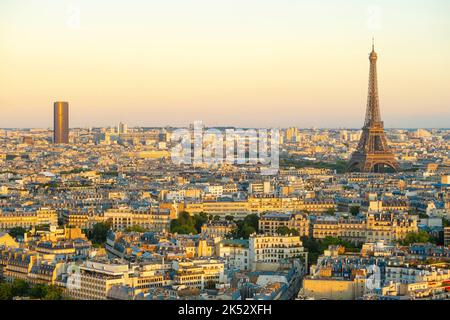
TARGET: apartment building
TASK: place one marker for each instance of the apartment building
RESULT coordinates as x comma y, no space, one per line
376,227
198,273
447,236
28,219
219,228
269,223
123,218
235,252
272,249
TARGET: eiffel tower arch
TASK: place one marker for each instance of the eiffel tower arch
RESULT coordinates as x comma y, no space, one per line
373,153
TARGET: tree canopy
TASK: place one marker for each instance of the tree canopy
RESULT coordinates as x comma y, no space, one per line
21,288
316,247
187,224
246,227
99,232
285,231
415,237
17,231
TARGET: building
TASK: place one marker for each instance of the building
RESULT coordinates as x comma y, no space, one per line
447,236
269,223
218,228
268,251
7,241
92,280
28,219
389,227
334,289
124,218
199,273
60,122
82,220
235,252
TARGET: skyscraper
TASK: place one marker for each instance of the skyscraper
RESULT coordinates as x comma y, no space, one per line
373,153
61,122
122,128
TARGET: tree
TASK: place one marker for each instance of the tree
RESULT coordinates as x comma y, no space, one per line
423,215
316,247
210,285
38,291
354,210
6,291
246,227
330,212
17,231
20,288
199,220
285,231
229,218
99,232
445,222
185,224
53,293
415,237
136,228
252,220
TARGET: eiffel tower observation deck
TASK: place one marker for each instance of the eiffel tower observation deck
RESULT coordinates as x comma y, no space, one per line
373,153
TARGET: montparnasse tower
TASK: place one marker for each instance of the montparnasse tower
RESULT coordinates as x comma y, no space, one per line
373,153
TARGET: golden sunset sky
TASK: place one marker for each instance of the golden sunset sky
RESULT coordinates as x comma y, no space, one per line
225,62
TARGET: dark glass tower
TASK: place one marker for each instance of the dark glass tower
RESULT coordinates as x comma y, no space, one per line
61,122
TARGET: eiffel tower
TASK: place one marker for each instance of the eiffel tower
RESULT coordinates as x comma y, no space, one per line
373,153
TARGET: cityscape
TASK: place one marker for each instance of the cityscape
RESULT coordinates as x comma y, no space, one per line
209,213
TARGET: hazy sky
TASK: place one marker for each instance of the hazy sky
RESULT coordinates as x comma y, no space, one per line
225,62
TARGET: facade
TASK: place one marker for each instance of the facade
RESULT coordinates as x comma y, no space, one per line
6,241
269,223
82,220
25,219
387,227
334,289
273,249
407,274
214,229
61,122
94,279
235,252
198,273
447,236
259,204
123,218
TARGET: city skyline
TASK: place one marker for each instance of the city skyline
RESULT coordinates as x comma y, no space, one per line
211,157
304,62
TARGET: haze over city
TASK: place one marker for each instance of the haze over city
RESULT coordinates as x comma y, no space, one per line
243,63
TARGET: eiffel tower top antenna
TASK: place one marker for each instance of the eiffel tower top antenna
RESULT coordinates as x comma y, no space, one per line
373,43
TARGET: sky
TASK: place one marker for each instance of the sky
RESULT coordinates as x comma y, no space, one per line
246,63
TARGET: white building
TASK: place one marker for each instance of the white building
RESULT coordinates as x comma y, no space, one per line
271,249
